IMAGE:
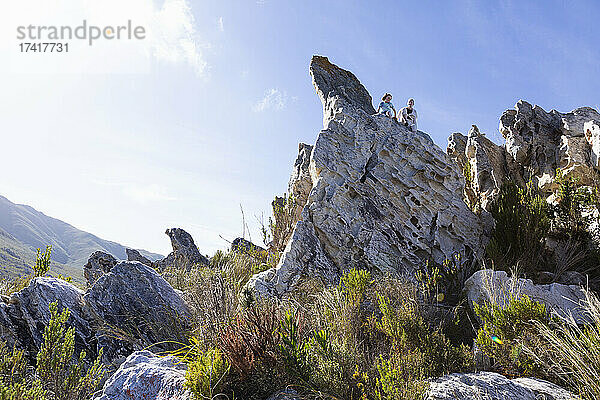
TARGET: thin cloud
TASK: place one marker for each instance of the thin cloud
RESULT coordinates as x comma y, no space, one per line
147,194
221,27
274,99
175,38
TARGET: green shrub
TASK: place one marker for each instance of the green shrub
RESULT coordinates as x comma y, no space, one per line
42,262
66,379
572,200
292,346
354,284
522,223
397,378
206,375
506,330
22,391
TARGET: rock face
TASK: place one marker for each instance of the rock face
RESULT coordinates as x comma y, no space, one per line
146,376
382,196
98,264
185,253
492,386
495,286
135,303
537,142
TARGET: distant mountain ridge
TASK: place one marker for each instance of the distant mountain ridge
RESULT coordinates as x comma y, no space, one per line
23,229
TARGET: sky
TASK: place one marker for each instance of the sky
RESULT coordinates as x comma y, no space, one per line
201,119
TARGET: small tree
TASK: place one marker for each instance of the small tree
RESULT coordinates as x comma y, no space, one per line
42,262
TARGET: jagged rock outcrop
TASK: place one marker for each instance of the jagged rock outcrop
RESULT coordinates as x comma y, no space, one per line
492,386
484,164
135,304
98,264
537,142
185,254
488,286
382,196
145,375
134,255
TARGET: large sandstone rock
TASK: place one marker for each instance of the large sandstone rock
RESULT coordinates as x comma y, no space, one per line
144,375
382,196
98,264
487,286
135,307
492,386
23,319
185,253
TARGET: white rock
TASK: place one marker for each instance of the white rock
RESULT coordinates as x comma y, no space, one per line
487,286
492,386
145,375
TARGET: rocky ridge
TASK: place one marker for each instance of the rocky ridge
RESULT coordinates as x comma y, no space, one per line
379,196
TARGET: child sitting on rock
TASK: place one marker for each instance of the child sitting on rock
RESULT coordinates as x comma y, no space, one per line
408,115
386,107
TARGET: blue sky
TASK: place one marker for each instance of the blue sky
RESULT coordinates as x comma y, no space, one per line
213,119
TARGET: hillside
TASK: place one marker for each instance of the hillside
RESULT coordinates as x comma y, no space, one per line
24,229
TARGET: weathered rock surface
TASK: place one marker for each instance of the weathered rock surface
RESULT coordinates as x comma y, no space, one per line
98,264
144,375
134,255
497,287
22,321
185,253
136,305
382,196
484,161
492,386
300,183
537,142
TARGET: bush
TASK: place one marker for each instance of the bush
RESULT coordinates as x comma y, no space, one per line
57,376
55,367
206,375
522,223
42,262
506,331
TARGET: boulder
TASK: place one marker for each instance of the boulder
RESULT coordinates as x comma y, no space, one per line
487,286
134,255
185,253
382,196
134,307
145,375
492,386
98,264
23,319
